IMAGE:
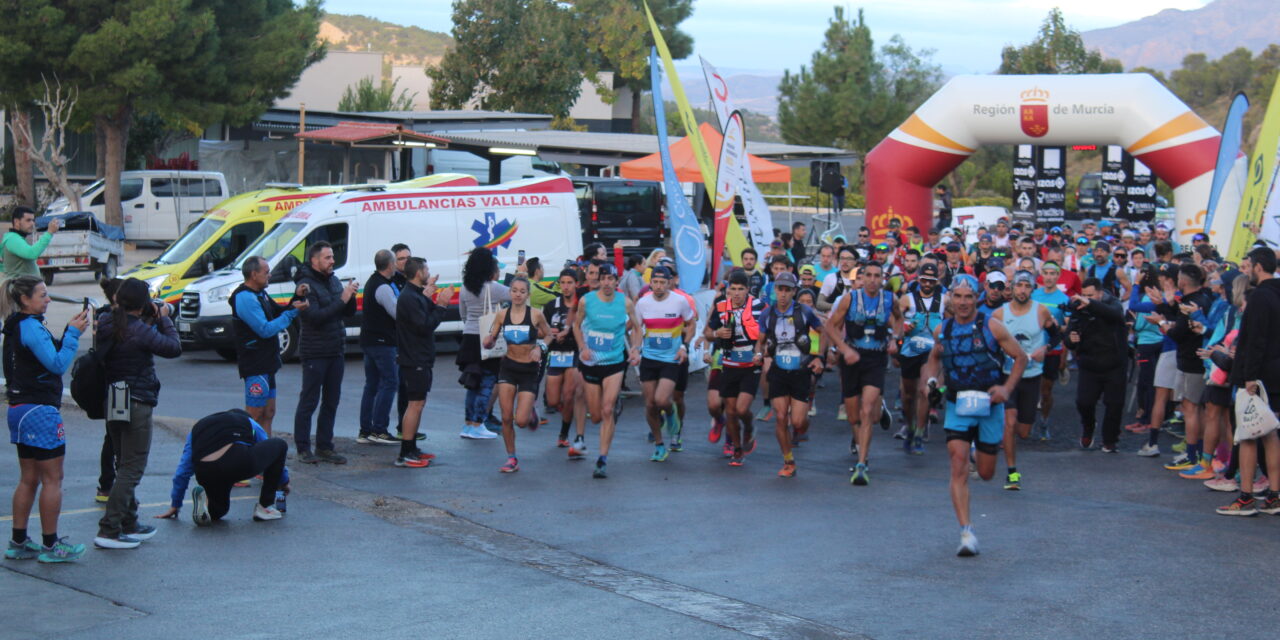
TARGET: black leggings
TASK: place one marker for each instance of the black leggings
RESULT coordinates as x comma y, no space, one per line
242,462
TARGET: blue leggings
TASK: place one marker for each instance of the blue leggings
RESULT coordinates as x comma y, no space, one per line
477,402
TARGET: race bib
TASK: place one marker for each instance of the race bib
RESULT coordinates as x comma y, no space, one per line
788,357
916,345
741,355
973,404
516,334
560,359
659,343
600,341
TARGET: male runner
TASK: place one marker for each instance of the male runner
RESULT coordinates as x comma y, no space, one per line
1051,295
922,310
1031,324
667,319
968,350
784,335
601,325
734,325
861,326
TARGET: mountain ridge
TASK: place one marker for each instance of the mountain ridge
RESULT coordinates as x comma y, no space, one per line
1160,41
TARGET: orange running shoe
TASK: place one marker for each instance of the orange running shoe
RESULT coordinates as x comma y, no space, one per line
788,470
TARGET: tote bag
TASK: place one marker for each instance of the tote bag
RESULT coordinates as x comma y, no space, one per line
499,348
1254,417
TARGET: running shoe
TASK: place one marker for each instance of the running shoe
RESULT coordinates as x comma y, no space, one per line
1270,506
1222,483
717,429
1064,378
859,477
727,449
578,450
102,496
1149,450
841,414
906,443
813,410
1198,472
901,433
263,514
801,434
241,484
765,413
412,461
853,446
1137,427
1109,448
648,436
788,470
1241,507
1181,462
1013,481
659,454
886,418
143,532
384,438
61,551
751,446
200,507
362,438
1086,443
511,466
562,443
330,456
600,471
917,445
736,460
421,455
307,457
22,550
677,444
121,541
1180,447
968,544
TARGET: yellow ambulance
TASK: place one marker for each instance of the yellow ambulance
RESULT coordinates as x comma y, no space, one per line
222,234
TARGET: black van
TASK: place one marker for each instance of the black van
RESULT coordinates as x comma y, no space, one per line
616,209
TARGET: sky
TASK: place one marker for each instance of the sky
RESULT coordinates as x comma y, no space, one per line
768,36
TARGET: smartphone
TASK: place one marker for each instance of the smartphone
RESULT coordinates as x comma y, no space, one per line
520,257
86,304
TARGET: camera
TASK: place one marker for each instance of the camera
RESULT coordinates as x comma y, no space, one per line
149,311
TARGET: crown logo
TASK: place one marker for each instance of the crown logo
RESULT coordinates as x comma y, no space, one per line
1035,94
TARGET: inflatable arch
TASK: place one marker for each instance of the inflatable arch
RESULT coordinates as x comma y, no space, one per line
1130,109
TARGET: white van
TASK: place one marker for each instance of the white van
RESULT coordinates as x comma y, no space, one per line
442,225
158,205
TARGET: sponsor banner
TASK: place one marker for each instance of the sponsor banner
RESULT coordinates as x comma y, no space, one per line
1128,189
731,157
1228,149
1140,193
1262,170
1024,183
686,235
755,209
1051,185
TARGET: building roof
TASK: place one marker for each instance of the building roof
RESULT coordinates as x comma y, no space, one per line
368,132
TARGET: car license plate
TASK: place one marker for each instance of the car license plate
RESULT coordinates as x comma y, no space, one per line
184,326
61,262
629,243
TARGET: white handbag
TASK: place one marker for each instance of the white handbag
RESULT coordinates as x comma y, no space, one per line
487,319
1254,417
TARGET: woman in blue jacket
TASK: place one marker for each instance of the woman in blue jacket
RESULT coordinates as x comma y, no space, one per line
33,366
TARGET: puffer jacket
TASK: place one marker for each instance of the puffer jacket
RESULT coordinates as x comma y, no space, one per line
132,360
322,332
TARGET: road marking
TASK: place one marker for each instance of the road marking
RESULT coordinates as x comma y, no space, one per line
35,513
721,611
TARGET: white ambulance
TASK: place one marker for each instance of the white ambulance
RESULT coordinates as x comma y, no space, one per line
441,225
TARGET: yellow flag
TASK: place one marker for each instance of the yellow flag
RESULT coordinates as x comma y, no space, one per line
1262,169
735,239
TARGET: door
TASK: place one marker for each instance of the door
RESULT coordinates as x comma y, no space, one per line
162,220
195,197
132,204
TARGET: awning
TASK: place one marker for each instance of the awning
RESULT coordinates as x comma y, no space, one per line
372,133
650,166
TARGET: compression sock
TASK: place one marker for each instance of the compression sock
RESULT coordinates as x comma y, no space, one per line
564,429
1153,436
789,457
1013,470
602,460
1193,452
50,539
406,446
19,536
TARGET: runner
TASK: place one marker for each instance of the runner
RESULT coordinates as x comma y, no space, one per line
785,337
682,383
563,377
601,326
667,319
523,328
860,325
1051,295
735,327
1034,328
967,350
922,311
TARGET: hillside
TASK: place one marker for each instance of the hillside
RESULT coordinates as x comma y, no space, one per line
402,45
1162,40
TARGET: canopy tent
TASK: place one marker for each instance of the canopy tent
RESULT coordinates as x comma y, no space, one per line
371,135
650,166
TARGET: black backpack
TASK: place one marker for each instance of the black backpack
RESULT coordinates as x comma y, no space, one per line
89,383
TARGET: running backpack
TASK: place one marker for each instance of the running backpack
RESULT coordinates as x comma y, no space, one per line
89,383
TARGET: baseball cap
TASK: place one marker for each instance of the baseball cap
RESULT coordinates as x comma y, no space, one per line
954,246
995,263
809,269
1105,223
660,272
1023,276
894,223
882,247
1128,234
666,262
929,270
1056,230
785,279
1160,226
1087,222
985,236
1199,236
997,277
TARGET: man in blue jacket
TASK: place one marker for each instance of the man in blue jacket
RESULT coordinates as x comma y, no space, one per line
257,322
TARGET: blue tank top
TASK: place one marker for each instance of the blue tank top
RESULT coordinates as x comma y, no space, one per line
604,329
1027,331
924,317
867,322
970,356
1051,300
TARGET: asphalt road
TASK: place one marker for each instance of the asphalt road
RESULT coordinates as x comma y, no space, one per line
1094,545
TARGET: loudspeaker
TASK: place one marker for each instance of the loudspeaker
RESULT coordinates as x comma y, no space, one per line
815,173
831,179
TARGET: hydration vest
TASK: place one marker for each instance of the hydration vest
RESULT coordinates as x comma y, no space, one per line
857,321
923,320
971,357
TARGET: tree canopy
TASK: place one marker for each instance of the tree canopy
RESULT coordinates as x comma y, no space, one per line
365,96
1057,48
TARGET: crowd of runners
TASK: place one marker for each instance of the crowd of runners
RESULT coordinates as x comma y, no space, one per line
984,329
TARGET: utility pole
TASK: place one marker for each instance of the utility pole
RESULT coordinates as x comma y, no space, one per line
302,149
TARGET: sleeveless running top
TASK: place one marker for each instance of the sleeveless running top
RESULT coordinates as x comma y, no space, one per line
605,328
1030,335
866,324
924,316
557,314
518,333
970,356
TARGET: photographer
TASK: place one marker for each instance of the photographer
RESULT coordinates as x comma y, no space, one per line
1185,324
130,336
257,321
1098,335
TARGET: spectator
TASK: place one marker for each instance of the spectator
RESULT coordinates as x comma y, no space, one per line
798,250
418,313
378,347
479,375
222,449
256,321
633,279
321,346
1099,338
1185,325
942,202
21,248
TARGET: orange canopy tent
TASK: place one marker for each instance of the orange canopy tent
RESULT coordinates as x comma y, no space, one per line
650,166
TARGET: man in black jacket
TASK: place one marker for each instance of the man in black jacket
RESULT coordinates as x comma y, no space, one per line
418,313
1257,365
1098,335
321,345
378,343
1185,326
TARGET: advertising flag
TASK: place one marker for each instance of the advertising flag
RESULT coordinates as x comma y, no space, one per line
1228,149
686,236
1262,170
759,219
726,185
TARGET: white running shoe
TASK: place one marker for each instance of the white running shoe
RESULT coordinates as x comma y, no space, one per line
480,432
124,541
968,544
1149,450
840,414
262,514
200,507
813,410
901,434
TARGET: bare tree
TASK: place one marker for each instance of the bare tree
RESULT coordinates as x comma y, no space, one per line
56,106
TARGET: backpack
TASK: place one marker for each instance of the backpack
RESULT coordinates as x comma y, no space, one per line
89,383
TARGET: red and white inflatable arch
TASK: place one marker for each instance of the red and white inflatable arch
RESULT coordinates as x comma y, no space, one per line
1131,109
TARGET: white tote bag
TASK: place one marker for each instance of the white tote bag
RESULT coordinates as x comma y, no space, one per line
487,319
1254,417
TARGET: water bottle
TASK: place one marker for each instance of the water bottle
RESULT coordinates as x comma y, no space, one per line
280,504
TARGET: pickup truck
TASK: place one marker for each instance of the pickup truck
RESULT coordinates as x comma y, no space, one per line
84,243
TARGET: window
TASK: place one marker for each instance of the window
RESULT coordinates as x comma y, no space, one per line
334,234
193,239
226,248
199,188
163,187
129,190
